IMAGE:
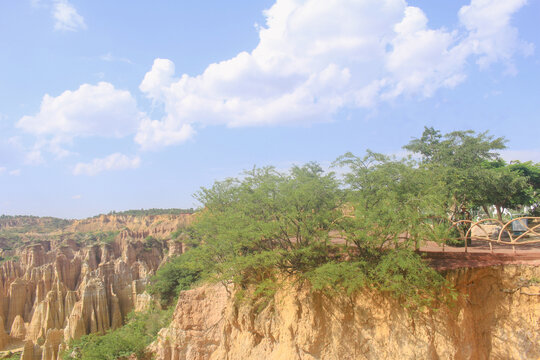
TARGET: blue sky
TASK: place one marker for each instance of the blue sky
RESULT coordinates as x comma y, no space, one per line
113,105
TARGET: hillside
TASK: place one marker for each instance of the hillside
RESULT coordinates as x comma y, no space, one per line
61,279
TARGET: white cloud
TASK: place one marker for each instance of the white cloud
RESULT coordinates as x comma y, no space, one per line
66,16
76,197
111,58
315,57
91,110
490,34
2,169
114,161
15,172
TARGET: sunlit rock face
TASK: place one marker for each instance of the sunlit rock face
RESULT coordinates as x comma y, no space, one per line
496,317
56,289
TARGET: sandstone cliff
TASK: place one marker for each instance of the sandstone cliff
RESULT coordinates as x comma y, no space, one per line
496,317
56,287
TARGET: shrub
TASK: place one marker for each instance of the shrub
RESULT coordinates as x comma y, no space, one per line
178,274
140,330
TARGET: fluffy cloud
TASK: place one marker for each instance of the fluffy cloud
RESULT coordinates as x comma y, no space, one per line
92,110
66,16
2,169
114,161
315,57
491,36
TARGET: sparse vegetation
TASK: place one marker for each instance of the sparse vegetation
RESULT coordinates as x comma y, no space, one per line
132,338
150,212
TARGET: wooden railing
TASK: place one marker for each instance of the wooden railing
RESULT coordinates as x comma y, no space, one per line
495,231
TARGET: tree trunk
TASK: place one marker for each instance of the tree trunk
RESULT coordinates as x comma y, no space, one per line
486,210
499,212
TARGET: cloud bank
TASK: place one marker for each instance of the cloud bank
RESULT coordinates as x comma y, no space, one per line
92,110
114,161
315,57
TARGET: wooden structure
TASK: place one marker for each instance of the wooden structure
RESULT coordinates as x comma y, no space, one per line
496,232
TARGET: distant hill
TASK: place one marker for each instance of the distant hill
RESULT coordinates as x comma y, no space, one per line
29,223
147,212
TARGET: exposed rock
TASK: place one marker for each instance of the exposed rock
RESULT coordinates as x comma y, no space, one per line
18,293
197,326
497,317
31,351
62,289
51,347
4,338
18,328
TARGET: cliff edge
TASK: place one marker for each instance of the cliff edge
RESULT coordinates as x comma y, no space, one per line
497,316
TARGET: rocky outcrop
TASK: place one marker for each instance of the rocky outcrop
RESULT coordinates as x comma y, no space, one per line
196,330
4,338
61,289
18,328
496,317
31,351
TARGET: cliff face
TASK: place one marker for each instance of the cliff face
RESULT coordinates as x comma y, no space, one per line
496,317
58,289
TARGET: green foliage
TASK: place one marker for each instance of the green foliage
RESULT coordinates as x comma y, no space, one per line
150,242
132,338
88,238
532,173
457,149
406,277
268,221
339,277
11,356
8,258
16,231
28,223
473,174
393,204
401,273
308,225
178,274
499,185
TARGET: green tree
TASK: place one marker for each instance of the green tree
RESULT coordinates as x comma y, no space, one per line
268,213
532,172
501,186
256,229
395,203
457,159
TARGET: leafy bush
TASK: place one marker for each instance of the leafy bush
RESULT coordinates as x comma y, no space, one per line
178,274
339,277
359,231
270,225
132,338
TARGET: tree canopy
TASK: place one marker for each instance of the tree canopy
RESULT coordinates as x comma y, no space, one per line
473,173
349,231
